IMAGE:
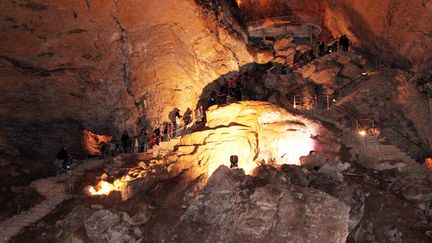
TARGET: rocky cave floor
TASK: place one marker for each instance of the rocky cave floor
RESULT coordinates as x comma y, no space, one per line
170,202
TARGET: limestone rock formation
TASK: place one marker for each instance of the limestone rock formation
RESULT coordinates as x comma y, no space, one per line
396,31
258,133
107,67
105,226
234,208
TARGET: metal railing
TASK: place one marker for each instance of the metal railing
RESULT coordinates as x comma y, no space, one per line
355,84
403,142
294,17
163,137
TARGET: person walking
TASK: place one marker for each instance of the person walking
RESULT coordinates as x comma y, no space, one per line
173,115
125,141
157,135
63,156
142,140
344,42
187,117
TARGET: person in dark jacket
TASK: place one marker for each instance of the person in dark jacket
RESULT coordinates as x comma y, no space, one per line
157,135
125,142
187,117
344,42
322,49
64,156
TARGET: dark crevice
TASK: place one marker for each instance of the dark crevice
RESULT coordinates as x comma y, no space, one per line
126,68
88,4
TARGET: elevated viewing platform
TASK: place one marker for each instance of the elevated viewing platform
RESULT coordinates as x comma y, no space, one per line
299,23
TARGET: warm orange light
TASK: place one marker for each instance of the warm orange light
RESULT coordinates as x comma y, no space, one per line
91,141
292,147
102,188
428,164
105,188
362,133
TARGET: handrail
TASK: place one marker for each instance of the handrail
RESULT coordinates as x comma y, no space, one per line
300,16
407,140
342,90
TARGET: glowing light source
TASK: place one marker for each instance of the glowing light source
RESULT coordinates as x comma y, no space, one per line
256,132
362,133
105,188
102,188
428,163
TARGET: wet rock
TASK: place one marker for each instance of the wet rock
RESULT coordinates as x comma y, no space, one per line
194,189
74,239
226,212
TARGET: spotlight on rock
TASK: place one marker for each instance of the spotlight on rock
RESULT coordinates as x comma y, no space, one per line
362,133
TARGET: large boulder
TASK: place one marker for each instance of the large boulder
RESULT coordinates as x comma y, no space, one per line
257,132
238,208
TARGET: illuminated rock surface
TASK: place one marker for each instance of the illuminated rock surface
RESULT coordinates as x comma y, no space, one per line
237,208
398,31
68,66
257,132
106,67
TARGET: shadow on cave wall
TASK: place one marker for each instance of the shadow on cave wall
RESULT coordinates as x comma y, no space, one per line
252,74
375,48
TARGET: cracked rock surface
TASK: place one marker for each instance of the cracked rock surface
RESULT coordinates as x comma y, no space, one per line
237,208
106,67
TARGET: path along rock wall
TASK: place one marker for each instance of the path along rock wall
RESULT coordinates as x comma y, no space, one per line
106,66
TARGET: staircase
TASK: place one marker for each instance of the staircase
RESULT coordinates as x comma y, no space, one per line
368,149
54,191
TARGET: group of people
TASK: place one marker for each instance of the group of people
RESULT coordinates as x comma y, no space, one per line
334,45
145,141
230,91
127,144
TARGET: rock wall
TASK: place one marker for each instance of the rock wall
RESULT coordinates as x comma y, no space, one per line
395,31
106,66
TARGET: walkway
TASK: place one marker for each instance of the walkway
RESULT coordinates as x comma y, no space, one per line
299,23
54,191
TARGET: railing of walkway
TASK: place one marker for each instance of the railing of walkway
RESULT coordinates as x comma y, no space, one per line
294,17
356,83
403,142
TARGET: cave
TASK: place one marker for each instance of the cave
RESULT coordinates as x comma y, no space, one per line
216,121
